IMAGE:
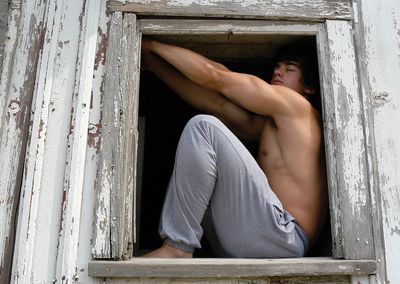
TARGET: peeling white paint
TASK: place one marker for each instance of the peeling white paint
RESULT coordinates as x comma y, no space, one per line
381,37
333,9
45,195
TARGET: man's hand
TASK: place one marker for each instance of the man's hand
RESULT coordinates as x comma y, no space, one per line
148,58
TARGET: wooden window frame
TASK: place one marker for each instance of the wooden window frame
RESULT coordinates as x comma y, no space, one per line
343,121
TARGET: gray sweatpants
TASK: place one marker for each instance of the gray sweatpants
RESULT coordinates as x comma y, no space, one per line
217,185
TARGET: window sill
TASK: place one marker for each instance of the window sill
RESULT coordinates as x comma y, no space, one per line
218,267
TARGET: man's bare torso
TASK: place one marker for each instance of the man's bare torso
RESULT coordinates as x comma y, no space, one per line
291,156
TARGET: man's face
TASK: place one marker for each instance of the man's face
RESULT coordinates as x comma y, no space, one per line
288,74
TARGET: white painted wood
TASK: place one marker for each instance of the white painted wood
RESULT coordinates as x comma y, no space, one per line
118,148
71,228
40,206
46,195
227,268
266,9
89,194
101,247
360,280
345,145
379,40
3,27
17,85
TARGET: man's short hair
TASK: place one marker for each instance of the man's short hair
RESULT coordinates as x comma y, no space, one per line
305,54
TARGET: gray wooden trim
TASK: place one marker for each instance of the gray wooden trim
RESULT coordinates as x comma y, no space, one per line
113,234
345,144
231,27
312,10
209,268
329,136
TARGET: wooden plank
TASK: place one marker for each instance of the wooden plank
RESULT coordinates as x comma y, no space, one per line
313,10
25,32
233,40
71,227
272,280
3,27
106,179
128,135
228,268
226,27
89,194
376,204
37,235
345,145
117,173
327,101
379,57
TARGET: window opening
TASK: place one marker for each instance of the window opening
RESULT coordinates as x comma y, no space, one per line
165,115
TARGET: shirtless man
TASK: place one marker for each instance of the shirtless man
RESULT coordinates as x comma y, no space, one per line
272,206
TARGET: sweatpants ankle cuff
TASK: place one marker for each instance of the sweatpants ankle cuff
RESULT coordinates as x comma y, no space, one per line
180,246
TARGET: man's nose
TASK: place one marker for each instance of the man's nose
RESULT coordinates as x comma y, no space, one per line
278,71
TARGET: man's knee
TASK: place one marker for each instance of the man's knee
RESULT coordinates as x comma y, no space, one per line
200,118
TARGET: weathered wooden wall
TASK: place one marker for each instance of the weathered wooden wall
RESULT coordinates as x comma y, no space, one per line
50,126
50,110
378,37
3,27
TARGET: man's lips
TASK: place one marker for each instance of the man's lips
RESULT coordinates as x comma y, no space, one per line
276,82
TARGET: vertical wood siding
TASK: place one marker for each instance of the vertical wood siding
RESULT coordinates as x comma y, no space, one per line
117,169
57,202
345,140
71,226
379,39
3,27
26,32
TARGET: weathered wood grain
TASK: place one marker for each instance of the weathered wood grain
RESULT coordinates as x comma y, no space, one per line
272,280
71,227
378,39
345,145
106,177
229,268
16,88
92,152
43,174
314,10
233,40
3,27
117,173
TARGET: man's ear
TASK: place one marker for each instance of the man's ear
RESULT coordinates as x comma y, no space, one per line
308,91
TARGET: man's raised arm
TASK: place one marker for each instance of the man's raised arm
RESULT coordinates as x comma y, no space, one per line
247,91
242,122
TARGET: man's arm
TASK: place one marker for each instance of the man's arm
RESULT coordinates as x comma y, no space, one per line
247,91
243,123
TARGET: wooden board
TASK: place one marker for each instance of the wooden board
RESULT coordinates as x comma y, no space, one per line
228,268
272,280
16,88
3,27
117,173
260,9
378,39
232,40
345,142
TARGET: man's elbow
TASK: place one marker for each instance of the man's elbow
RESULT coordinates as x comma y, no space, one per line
212,78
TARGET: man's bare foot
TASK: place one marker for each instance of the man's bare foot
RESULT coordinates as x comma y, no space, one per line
167,251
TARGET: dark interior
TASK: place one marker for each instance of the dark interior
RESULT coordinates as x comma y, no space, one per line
165,115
